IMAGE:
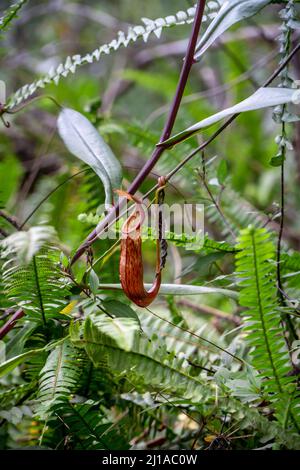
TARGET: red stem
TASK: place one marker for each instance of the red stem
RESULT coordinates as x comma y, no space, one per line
145,171
11,322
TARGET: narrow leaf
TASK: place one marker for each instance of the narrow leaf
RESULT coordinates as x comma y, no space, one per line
93,281
116,308
83,140
262,98
180,289
12,363
231,13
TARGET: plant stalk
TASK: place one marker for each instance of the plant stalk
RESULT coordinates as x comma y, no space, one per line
11,322
143,174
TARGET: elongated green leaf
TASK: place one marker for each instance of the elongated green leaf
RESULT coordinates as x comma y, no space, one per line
14,362
263,325
262,98
94,281
181,289
59,377
15,345
83,140
231,13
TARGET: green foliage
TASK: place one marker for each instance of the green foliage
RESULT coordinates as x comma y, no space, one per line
38,287
145,362
87,426
11,397
59,377
263,323
11,364
201,345
118,323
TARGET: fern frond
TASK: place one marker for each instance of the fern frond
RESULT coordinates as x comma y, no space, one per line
14,395
291,261
10,14
147,362
257,270
134,33
180,342
59,377
252,419
38,288
87,426
213,245
92,191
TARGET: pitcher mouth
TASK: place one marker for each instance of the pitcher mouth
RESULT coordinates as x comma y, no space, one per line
129,227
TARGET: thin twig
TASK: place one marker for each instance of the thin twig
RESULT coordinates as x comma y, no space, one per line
3,233
208,310
10,219
214,200
50,194
196,336
215,91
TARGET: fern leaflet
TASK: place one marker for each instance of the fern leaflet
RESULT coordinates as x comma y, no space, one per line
59,377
